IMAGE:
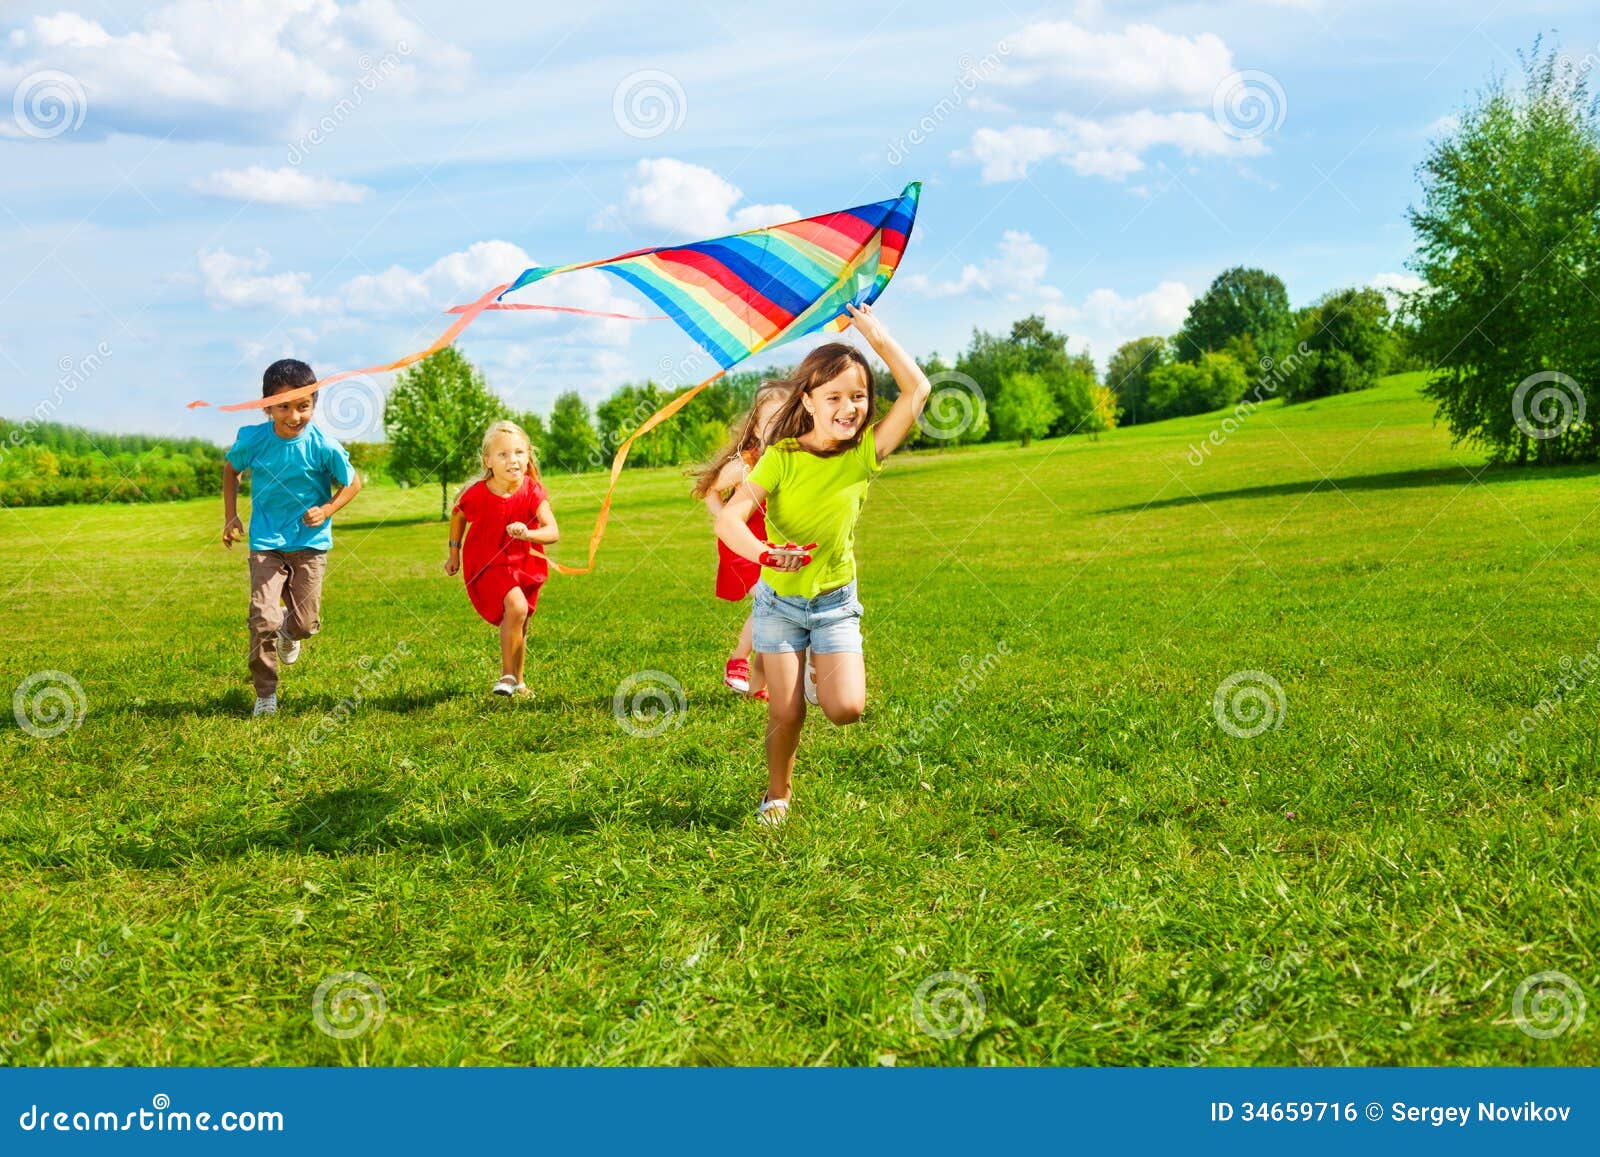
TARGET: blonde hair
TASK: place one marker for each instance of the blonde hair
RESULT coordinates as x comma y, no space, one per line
746,434
494,431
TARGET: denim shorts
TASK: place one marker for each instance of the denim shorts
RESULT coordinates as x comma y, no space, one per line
829,624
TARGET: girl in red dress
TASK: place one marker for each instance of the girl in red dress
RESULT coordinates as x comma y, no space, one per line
502,558
715,480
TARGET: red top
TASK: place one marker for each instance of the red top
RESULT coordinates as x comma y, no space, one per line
487,544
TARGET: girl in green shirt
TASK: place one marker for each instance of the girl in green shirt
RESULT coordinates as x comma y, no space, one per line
824,452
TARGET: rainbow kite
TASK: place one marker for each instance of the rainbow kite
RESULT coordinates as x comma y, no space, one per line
733,295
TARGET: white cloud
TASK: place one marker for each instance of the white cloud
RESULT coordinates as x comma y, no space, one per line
1105,319
284,186
673,200
1112,148
1142,64
1394,285
229,69
1076,73
1018,267
234,282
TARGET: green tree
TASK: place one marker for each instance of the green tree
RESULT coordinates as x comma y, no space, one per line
435,418
1342,344
1128,376
1026,409
1181,388
1241,303
570,443
1032,347
1509,246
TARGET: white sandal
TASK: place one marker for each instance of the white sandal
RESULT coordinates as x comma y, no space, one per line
505,685
771,812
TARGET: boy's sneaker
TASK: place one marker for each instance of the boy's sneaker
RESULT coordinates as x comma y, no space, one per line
265,705
737,675
811,680
288,649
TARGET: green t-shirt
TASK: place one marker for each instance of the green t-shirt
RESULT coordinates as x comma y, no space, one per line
815,499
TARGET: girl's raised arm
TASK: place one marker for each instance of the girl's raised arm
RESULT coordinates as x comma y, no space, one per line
914,386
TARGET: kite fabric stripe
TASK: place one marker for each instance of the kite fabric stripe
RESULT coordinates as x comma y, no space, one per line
733,296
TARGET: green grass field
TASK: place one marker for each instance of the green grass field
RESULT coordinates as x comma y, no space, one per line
1040,797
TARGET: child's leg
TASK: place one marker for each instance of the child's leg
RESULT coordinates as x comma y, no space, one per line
269,571
741,649
758,678
786,715
841,686
513,637
303,593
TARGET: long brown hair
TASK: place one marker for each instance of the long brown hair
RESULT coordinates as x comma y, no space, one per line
747,435
820,366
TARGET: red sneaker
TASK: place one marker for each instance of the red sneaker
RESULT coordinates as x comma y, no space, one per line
737,675
761,695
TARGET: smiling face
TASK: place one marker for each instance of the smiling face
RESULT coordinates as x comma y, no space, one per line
506,459
838,407
289,419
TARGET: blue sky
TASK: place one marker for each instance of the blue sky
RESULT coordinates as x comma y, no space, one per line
194,189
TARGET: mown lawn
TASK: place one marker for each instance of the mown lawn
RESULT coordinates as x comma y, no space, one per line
1040,798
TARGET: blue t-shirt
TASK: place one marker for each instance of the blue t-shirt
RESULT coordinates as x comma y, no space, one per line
288,476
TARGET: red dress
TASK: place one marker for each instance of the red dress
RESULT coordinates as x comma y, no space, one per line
492,562
736,575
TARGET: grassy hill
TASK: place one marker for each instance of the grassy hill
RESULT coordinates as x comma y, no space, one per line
1041,797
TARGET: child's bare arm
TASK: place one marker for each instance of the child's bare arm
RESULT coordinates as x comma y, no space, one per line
731,474
458,530
735,534
547,532
317,515
914,386
232,528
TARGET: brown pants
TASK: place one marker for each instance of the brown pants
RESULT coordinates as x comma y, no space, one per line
295,577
